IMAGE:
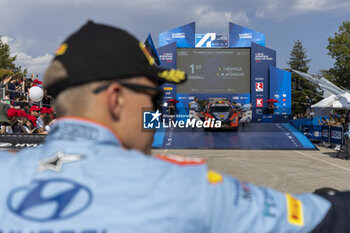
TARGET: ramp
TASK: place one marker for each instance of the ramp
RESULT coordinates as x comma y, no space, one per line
253,136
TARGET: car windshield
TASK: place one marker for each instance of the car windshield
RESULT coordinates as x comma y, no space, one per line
220,109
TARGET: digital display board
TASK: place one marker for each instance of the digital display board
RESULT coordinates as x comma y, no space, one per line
214,70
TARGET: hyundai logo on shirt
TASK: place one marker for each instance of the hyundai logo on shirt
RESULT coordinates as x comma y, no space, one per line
49,200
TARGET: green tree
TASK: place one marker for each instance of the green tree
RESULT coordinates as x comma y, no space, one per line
7,65
300,86
339,49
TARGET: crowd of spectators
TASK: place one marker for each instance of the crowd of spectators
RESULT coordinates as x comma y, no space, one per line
336,120
299,116
19,114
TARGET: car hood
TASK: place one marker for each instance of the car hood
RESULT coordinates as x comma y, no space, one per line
221,115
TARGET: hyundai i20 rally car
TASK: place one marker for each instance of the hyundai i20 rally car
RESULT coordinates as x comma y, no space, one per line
220,109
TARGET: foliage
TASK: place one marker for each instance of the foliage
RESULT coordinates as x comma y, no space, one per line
7,65
300,86
339,49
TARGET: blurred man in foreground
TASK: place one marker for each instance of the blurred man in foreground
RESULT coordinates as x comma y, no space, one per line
95,172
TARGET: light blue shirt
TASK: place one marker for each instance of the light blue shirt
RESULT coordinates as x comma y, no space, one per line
39,123
83,180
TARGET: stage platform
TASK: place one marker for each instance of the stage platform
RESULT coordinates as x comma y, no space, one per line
253,136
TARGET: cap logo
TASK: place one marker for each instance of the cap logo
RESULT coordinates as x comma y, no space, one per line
175,76
147,54
62,49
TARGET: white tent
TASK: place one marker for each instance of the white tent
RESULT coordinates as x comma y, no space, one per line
341,101
344,100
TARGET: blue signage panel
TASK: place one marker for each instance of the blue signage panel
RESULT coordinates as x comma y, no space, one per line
336,135
325,134
243,37
211,40
167,57
184,36
280,89
261,60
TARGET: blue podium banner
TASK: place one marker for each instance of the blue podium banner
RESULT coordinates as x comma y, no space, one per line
280,89
243,37
261,60
211,40
167,57
184,36
275,119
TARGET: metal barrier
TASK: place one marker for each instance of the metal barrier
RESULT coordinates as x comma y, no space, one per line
313,132
19,141
329,136
336,135
325,135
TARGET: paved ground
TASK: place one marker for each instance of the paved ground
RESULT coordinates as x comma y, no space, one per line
284,170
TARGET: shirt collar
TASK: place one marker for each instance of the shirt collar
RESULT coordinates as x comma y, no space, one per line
80,129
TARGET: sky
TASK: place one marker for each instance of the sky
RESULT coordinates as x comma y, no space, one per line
34,29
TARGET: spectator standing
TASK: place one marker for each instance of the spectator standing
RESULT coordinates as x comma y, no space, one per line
236,106
5,80
31,124
347,120
11,88
307,106
270,110
13,128
323,121
194,105
3,116
171,110
46,99
40,121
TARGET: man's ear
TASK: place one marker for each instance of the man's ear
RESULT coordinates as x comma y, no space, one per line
115,101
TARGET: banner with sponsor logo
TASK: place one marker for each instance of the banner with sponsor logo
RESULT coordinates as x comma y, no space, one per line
211,40
336,135
167,57
261,60
184,36
325,134
280,82
243,37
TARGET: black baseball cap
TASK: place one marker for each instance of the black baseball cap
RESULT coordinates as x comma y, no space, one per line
99,52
